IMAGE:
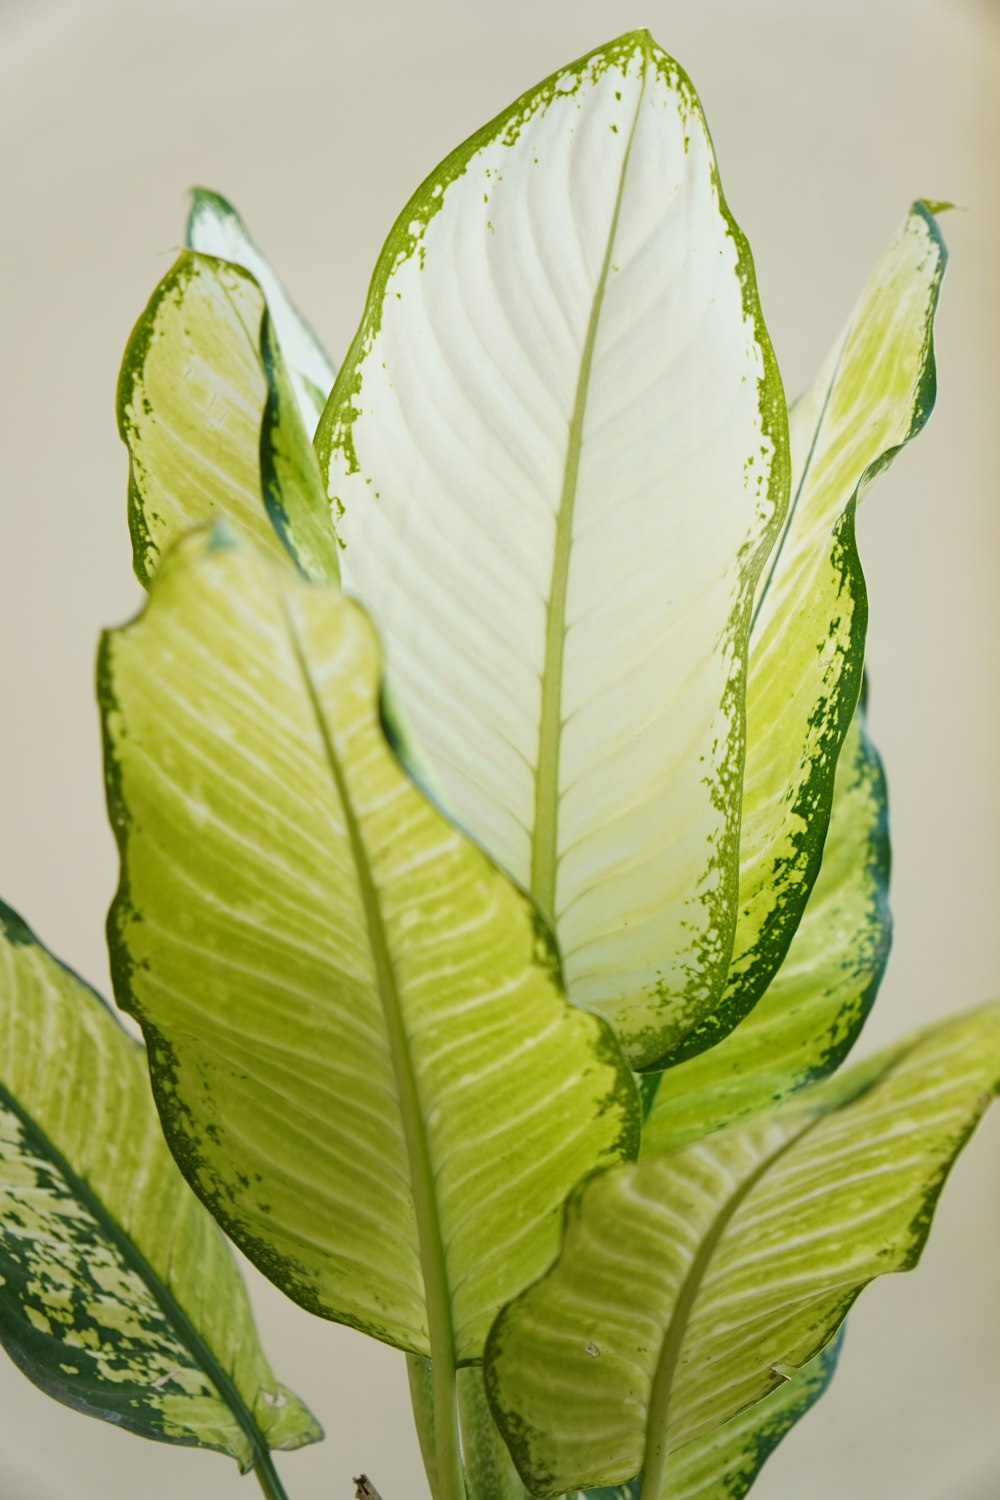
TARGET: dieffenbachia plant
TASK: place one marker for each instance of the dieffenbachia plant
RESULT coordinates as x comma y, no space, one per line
504,857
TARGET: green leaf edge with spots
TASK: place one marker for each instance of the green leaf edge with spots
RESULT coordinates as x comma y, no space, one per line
74,1016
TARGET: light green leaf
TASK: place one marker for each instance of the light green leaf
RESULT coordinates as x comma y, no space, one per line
812,1012
215,228
874,393
118,1294
360,1047
724,1464
559,445
690,1284
207,414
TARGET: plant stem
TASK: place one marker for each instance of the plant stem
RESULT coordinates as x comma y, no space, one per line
448,1466
267,1478
437,1290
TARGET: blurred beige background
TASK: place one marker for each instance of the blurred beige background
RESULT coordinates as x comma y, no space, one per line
318,119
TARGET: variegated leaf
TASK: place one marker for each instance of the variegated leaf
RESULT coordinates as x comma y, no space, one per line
812,1012
206,411
361,1051
558,444
874,393
215,228
118,1294
724,1464
692,1283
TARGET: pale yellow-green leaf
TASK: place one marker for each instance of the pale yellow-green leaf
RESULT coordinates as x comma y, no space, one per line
874,393
810,1016
207,413
725,1464
690,1283
361,1050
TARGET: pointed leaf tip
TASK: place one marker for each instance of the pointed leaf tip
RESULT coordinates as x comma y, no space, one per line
215,227
211,426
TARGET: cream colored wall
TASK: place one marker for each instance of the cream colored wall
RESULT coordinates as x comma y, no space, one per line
318,119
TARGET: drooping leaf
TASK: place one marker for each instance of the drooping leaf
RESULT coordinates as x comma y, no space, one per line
361,1051
559,445
215,228
207,414
691,1283
118,1294
812,1013
874,393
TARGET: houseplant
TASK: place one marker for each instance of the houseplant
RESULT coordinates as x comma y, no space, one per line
281,491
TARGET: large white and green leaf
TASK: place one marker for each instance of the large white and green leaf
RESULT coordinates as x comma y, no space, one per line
873,394
813,1011
692,1283
215,228
207,413
558,451
118,1294
360,1046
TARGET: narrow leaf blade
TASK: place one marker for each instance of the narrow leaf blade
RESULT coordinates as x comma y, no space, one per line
813,1011
873,395
118,1294
559,445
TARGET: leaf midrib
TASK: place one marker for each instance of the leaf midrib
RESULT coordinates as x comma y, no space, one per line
790,516
437,1297
172,1310
545,830
661,1394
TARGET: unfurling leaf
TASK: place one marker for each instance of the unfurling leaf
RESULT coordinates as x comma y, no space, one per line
873,394
215,228
206,411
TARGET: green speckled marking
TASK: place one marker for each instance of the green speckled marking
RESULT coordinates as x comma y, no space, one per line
744,1252
364,881
676,1010
99,1305
202,360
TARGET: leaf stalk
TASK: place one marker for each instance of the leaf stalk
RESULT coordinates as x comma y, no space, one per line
267,1477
